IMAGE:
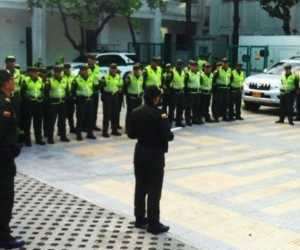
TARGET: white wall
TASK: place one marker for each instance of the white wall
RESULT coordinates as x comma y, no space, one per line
13,25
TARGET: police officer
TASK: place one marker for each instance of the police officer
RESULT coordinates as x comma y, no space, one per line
201,62
15,97
43,73
82,89
165,88
70,105
56,92
153,73
192,86
221,81
175,81
9,150
236,87
32,91
150,126
287,94
133,89
110,85
94,70
206,78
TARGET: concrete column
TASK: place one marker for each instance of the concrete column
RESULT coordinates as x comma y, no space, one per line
38,24
156,22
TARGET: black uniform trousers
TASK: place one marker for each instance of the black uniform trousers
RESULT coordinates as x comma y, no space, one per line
15,101
70,105
110,111
298,104
286,105
192,107
60,111
235,104
177,102
96,105
84,114
221,102
205,100
132,103
120,104
7,175
165,101
33,109
149,165
46,118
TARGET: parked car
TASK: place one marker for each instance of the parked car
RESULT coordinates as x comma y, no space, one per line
264,89
124,60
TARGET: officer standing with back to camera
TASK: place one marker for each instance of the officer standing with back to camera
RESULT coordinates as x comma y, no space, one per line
287,94
9,150
150,126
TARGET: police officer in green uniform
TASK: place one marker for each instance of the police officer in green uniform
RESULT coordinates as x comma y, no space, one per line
192,86
9,150
94,70
70,105
236,87
206,78
110,86
175,81
153,73
133,89
32,92
221,81
287,94
56,92
150,126
43,73
82,89
201,62
165,88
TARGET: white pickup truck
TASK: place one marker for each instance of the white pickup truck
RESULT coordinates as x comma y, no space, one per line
264,89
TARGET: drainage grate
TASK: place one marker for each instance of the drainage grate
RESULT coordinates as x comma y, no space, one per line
49,219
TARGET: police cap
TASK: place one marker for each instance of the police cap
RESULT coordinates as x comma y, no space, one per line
43,70
4,76
219,64
57,69
136,66
239,64
151,92
83,67
168,65
113,66
67,66
155,59
32,69
225,60
207,65
287,66
10,58
193,63
179,62
91,56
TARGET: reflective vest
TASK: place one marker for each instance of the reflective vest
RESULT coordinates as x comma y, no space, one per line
58,89
34,89
136,84
112,83
206,81
201,64
224,76
288,83
69,79
194,82
178,80
85,87
17,81
238,78
153,77
95,73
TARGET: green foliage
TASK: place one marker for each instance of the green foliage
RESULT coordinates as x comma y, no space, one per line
88,11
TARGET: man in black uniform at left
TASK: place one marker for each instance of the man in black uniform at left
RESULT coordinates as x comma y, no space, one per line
150,126
9,150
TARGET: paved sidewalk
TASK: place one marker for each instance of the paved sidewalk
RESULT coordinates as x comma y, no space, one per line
50,219
228,186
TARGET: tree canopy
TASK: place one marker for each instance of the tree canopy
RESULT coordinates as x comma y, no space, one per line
87,12
280,9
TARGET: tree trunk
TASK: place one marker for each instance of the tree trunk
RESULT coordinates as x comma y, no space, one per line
132,33
82,44
286,21
188,23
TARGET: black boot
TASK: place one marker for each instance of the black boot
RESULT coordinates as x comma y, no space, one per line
291,121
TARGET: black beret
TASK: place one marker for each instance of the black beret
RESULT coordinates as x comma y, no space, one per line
4,76
152,92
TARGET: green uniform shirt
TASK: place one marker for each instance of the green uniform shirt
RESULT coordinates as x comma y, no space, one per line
95,73
237,79
193,82
135,85
288,82
34,88
153,77
206,82
58,89
223,76
178,80
112,84
83,87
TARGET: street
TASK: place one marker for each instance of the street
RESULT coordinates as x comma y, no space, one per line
231,185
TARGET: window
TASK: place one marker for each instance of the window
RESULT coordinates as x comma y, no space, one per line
108,59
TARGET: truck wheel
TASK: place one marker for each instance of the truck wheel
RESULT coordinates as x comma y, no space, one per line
251,106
